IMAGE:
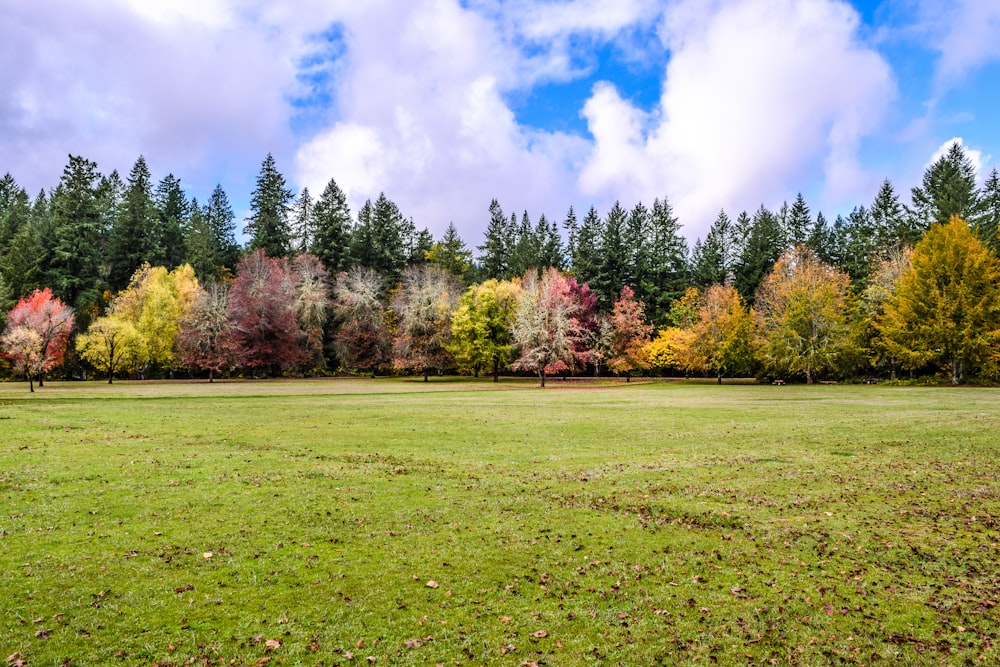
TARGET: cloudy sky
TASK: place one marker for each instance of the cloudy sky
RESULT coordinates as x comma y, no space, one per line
542,104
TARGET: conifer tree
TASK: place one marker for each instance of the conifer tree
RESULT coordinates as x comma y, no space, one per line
711,261
132,241
665,274
799,223
762,247
988,228
268,226
331,234
496,248
172,210
451,254
586,260
892,226
221,223
613,262
948,189
572,227
524,253
303,211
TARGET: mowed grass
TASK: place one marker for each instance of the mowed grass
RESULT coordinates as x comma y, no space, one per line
395,522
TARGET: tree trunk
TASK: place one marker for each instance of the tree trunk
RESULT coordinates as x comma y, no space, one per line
956,372
425,375
719,377
31,385
628,377
541,375
496,369
809,375
111,375
41,379
210,376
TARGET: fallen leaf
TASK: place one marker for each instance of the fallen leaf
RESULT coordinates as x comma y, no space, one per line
348,655
505,619
184,588
273,644
413,643
432,584
541,634
42,634
360,644
371,659
207,555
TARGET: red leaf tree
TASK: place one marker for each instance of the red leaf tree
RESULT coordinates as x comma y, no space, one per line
262,313
38,328
630,333
547,329
205,340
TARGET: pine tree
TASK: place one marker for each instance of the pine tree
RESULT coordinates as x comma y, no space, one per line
221,222
549,244
798,223
821,241
948,188
988,228
858,246
892,226
762,246
74,272
496,248
131,241
451,254
665,274
524,253
572,228
172,210
268,226
331,235
711,261
613,263
378,241
199,244
303,211
586,259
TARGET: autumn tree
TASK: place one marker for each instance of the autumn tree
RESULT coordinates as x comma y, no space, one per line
362,340
546,325
879,292
669,351
155,302
423,305
38,328
312,306
801,314
480,327
630,334
262,312
111,344
205,339
721,336
946,308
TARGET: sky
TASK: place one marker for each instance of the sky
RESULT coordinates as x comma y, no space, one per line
445,105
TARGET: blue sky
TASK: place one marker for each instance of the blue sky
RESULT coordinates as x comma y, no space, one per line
542,104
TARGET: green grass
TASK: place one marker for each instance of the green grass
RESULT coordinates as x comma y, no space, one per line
638,525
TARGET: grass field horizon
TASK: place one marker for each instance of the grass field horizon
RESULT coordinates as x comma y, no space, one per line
399,522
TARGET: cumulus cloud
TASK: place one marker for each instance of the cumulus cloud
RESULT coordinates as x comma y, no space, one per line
759,96
967,35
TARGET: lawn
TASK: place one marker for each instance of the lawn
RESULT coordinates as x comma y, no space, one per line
395,522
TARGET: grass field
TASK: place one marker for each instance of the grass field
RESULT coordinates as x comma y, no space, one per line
396,522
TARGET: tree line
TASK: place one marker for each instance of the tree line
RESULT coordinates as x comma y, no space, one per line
157,282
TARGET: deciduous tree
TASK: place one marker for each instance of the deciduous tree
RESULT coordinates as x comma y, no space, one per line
362,340
205,340
262,312
37,331
480,327
546,326
946,308
423,306
630,335
721,336
801,314
111,345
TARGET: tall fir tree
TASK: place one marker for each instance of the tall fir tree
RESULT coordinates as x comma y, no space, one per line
131,240
572,227
586,260
378,241
496,249
858,246
74,272
798,225
763,245
988,228
524,253
948,188
614,259
451,254
199,244
172,211
303,211
712,262
821,240
221,223
331,233
665,274
550,253
268,226
893,227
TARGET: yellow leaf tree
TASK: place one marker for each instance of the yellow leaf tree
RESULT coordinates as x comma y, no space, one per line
946,307
801,314
154,303
722,336
111,344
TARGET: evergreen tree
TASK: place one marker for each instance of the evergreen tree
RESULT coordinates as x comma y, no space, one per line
614,259
416,243
221,223
762,247
303,211
131,241
892,226
331,232
572,228
948,188
451,254
268,225
200,244
172,210
74,272
524,253
378,241
15,210
821,241
549,244
586,259
988,228
638,237
664,270
798,223
711,261
858,246
496,248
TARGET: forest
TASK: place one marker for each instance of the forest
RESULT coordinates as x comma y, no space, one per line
132,278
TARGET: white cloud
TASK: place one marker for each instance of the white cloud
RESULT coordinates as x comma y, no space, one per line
967,34
761,96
